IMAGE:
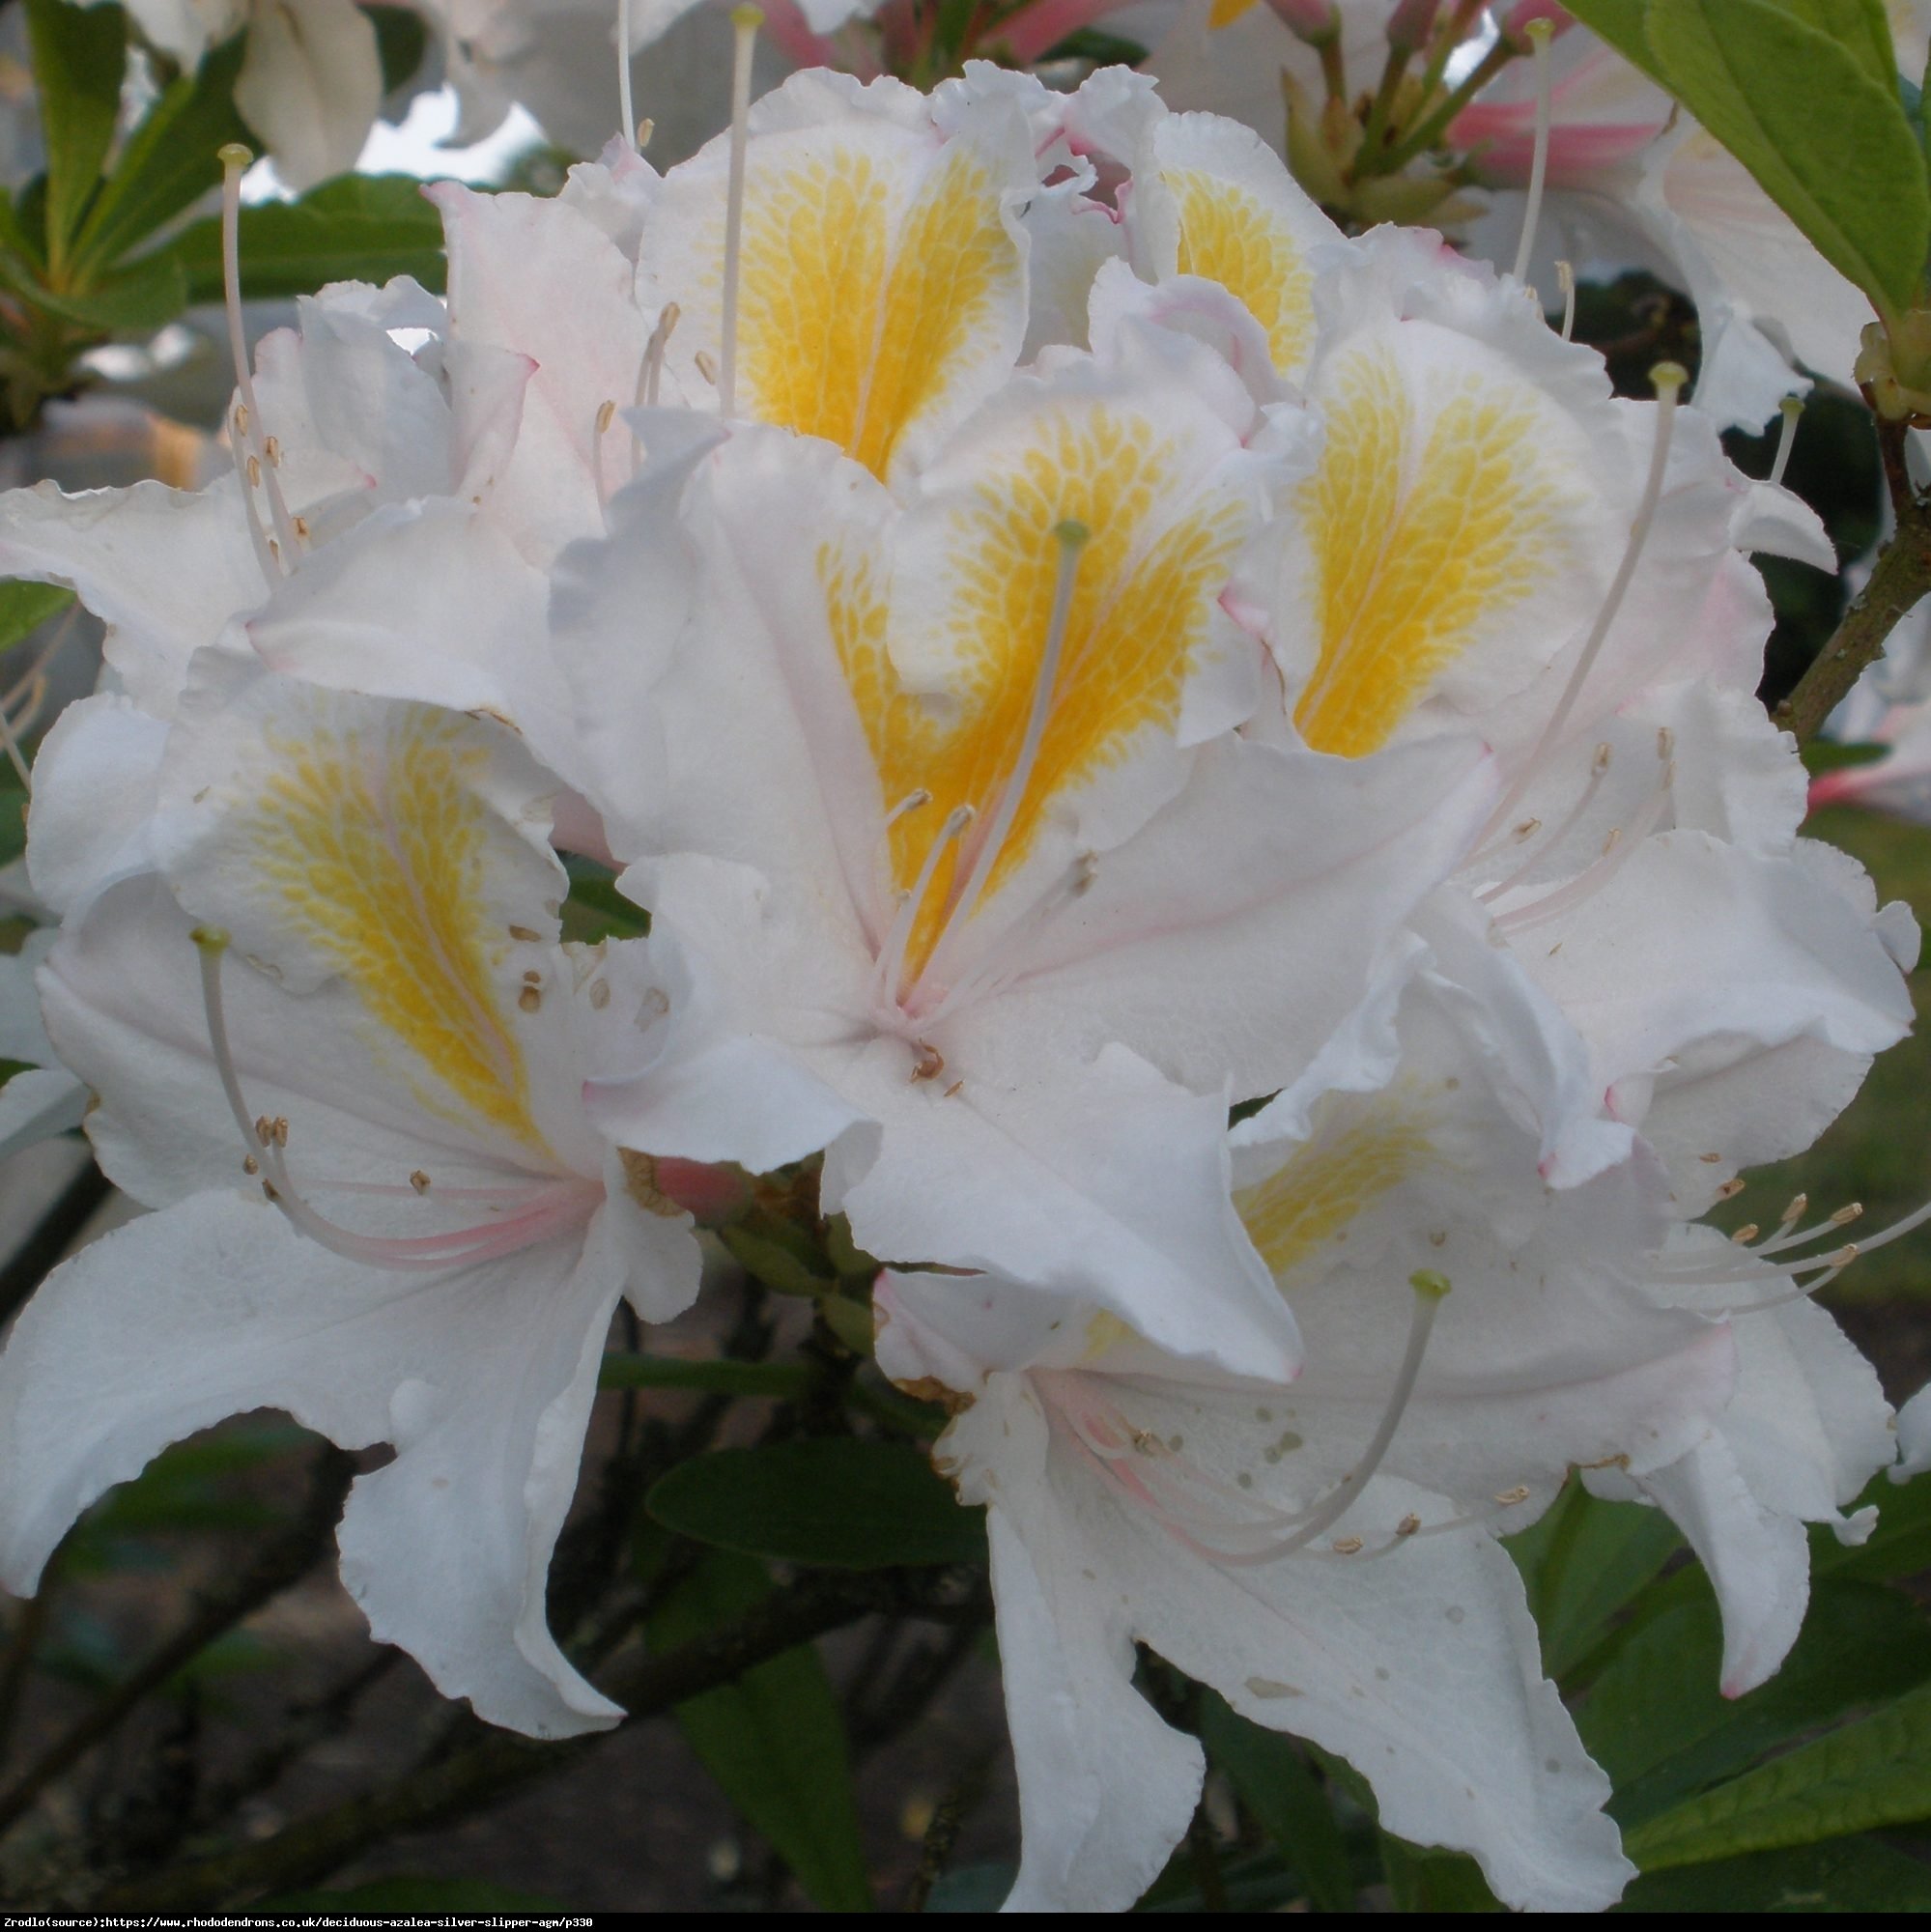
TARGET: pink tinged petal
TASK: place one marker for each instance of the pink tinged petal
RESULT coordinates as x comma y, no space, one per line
508,254
481,1380
310,84
1758,1560
96,791
164,570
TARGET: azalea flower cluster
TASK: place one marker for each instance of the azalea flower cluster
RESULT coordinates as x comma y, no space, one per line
1069,651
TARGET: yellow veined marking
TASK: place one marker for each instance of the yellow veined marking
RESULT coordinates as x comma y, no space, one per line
373,848
1142,606
1229,235
1105,1332
1308,1203
847,329
1224,13
1412,549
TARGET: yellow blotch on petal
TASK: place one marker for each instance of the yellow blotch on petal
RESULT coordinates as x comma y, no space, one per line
853,316
1308,1203
1224,13
1141,611
1230,236
1413,547
372,846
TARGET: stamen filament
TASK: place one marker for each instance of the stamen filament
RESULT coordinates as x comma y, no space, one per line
1786,436
1564,278
892,954
626,106
1599,768
1621,842
235,160
745,24
1669,379
1539,33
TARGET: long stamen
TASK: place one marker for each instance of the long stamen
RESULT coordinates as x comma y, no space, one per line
545,1209
1007,958
261,465
1599,769
1792,407
1621,842
599,429
1539,33
12,745
892,954
1565,280
1072,538
626,107
1669,379
650,371
745,24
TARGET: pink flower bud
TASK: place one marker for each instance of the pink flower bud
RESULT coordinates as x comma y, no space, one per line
1314,21
1411,23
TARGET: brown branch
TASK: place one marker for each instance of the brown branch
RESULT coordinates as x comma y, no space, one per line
311,1848
284,1560
1901,578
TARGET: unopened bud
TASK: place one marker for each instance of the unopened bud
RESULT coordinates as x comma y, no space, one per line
1314,21
1410,24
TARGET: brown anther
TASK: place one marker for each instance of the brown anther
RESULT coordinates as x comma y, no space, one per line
254,472
1712,1159
242,418
646,129
1795,1210
706,368
276,548
1407,1526
1847,1213
530,999
1614,838
1665,743
1146,1442
1528,828
268,1191
955,1089
930,1063
301,529
1519,1494
523,932
1731,1188
1619,1461
265,1130
250,1165
605,414
600,994
419,1181
272,450
532,978
1600,763
1844,1256
281,1130
1346,1546
1746,1233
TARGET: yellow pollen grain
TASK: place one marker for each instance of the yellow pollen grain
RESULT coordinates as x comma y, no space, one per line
851,325
1139,617
373,848
1228,235
1309,1203
1414,549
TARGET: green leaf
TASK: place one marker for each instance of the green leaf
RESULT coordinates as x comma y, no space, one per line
774,1740
170,160
716,1377
831,1500
24,607
1657,1722
595,908
1620,22
1584,1562
1900,1546
1827,141
1845,1875
404,1894
781,1256
1098,46
1868,1775
79,54
356,228
140,298
1287,1800
1425,1880
1828,755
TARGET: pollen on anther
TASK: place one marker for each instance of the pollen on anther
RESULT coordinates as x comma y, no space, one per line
523,932
706,367
265,1130
250,1165
254,472
1710,1159
272,450
1735,1186
1519,1494
1665,742
1601,762
530,999
1346,1546
281,1130
532,978
1847,1213
419,1181
1407,1526
600,994
1746,1233
605,414
1528,828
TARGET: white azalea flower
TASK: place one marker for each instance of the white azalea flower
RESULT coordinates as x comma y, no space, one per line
948,795
386,1027
1321,1553
42,1098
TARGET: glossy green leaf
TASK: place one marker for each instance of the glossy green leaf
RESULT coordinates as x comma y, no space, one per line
1583,1562
1800,109
1874,1773
1620,22
774,1741
713,1377
1275,1785
79,54
1845,1875
170,160
356,228
831,1500
1657,1722
24,607
137,301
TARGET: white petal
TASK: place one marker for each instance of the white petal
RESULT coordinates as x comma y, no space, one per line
95,792
311,81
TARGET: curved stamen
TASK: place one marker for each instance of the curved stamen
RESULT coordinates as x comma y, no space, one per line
891,969
1599,770
1669,379
1539,33
745,24
626,106
1565,280
1621,842
1004,960
1072,538
1792,407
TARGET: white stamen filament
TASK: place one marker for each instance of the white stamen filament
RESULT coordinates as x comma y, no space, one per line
542,1207
650,371
234,162
1792,407
1623,840
1539,33
599,429
1669,379
10,741
1071,538
1599,770
892,954
745,24
1007,958
626,107
1564,277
